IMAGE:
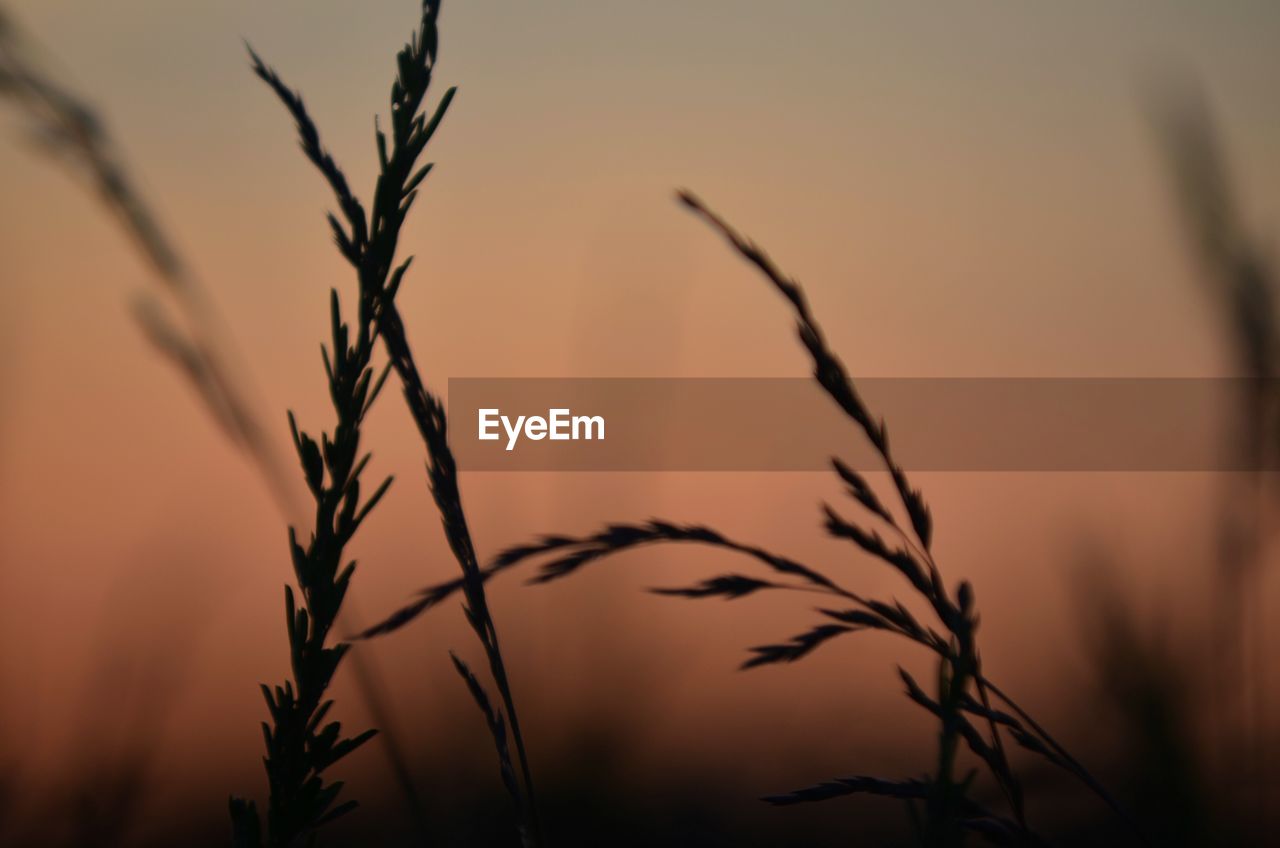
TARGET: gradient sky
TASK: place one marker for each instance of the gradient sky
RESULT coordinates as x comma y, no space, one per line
965,189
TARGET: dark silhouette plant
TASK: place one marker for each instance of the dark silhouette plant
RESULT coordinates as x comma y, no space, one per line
300,745
369,244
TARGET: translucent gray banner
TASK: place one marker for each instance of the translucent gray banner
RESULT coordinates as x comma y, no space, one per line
935,424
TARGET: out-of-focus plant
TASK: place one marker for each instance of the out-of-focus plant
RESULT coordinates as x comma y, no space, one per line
180,318
1240,281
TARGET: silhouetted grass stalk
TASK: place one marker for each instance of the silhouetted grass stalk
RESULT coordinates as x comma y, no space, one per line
369,246
300,748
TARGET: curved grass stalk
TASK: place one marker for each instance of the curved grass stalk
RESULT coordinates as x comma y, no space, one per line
941,805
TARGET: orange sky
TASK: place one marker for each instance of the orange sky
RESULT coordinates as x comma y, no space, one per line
968,190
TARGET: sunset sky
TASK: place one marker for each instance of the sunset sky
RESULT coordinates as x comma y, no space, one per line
965,190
